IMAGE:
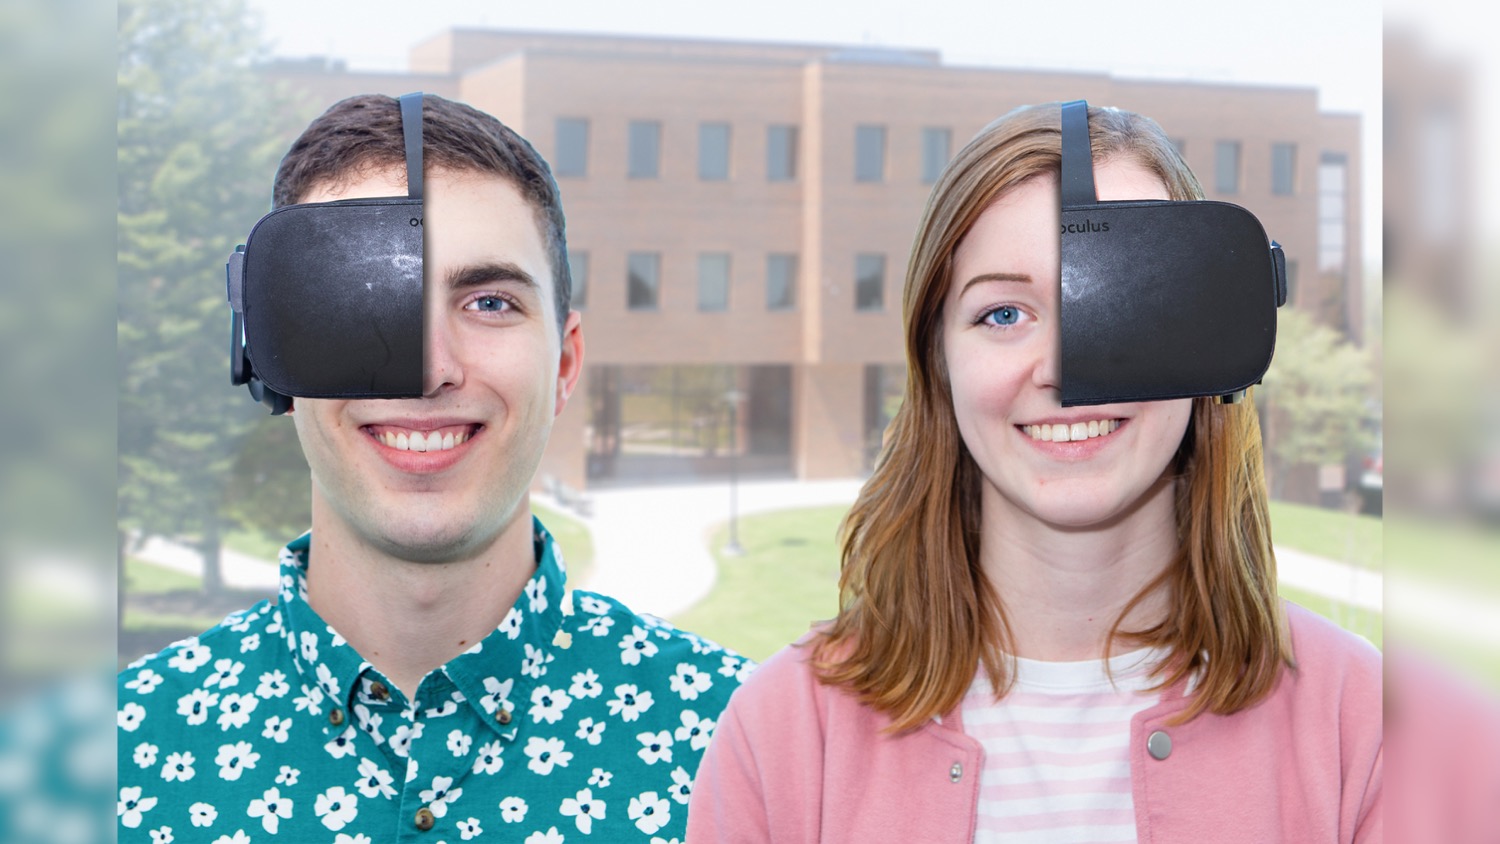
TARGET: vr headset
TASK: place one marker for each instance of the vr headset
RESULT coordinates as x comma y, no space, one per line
1161,299
325,298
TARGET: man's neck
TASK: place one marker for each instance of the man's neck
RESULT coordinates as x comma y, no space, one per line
407,618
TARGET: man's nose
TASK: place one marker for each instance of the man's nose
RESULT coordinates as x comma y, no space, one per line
441,367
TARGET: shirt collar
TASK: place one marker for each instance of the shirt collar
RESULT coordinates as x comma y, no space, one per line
494,674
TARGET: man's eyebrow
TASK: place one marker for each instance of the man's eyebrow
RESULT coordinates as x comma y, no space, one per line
994,277
478,275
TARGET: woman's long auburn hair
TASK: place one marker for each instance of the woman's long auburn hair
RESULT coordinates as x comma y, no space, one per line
917,616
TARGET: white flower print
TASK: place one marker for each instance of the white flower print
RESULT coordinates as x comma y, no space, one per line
584,809
469,829
327,683
342,744
275,626
287,776
132,806
585,685
162,835
682,786
272,684
203,814
239,622
656,747
535,663
250,643
694,730
688,682
590,731
311,700
511,626
440,795
411,769
512,810
195,705
730,665
272,809
130,716
600,778
369,721
346,838
546,753
239,837
650,812
309,642
235,759
496,693
598,625
235,709
403,737
551,836
548,705
178,767
145,682
226,674
592,605
190,657
277,729
449,707
459,743
374,781
536,594
145,754
488,761
629,702
336,808
635,646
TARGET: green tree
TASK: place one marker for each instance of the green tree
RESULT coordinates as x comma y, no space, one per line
199,137
1316,396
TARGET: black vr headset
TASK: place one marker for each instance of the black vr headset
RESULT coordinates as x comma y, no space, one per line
1160,299
326,297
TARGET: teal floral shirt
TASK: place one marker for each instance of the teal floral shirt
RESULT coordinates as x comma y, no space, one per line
575,719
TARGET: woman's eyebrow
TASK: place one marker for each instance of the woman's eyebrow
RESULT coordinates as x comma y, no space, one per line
994,277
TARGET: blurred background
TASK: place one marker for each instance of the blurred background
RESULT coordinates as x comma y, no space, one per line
742,187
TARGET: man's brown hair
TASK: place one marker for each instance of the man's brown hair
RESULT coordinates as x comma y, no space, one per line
362,135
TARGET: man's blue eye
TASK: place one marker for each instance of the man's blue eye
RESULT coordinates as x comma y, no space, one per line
489,303
1003,315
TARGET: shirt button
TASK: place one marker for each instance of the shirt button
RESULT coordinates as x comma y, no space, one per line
1159,745
503,716
336,716
956,772
424,819
379,691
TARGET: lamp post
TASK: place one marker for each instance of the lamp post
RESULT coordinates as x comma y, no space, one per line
732,548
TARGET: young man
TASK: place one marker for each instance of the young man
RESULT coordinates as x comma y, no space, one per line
424,676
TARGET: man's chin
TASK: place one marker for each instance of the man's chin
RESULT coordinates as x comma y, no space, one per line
432,544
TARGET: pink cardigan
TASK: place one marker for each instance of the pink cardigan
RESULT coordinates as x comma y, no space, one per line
793,760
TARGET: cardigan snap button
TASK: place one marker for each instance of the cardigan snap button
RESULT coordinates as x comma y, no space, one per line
956,772
1159,745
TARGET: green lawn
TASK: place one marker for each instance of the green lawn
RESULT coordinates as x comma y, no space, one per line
1346,537
788,577
576,542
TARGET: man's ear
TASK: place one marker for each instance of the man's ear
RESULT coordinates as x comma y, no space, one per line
570,361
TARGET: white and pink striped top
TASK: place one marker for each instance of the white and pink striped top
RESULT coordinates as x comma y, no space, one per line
1057,750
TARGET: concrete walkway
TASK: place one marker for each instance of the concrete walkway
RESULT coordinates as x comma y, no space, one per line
652,545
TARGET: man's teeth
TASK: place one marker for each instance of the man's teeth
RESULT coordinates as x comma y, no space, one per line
1072,433
417,441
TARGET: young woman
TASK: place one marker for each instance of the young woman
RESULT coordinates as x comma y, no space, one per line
1056,624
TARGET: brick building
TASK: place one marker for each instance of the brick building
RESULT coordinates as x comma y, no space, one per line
739,218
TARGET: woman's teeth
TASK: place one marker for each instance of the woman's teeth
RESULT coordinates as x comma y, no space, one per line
1058,433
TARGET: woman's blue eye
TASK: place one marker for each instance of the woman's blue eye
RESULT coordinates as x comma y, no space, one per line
1003,315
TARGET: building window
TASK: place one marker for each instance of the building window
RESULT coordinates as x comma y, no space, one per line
1227,166
572,155
781,153
1283,169
869,153
643,282
781,282
645,149
937,145
1333,174
869,282
578,271
713,152
713,281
